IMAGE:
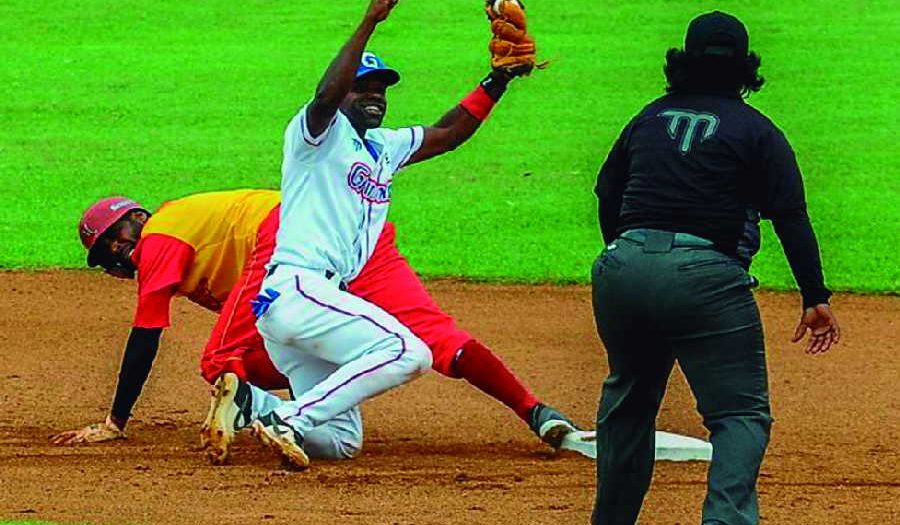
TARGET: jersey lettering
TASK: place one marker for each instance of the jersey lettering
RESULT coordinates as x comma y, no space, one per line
692,121
335,195
360,180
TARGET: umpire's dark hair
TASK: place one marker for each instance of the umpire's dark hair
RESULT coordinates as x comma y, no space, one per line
704,73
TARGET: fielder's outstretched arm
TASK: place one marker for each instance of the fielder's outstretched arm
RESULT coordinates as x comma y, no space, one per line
461,122
339,76
512,55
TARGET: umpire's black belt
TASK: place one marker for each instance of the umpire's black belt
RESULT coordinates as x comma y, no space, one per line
661,241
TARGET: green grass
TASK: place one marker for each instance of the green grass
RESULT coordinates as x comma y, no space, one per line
161,99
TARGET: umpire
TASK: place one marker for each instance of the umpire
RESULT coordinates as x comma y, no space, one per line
674,195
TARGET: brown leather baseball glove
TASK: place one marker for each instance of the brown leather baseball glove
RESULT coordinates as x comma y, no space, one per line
512,48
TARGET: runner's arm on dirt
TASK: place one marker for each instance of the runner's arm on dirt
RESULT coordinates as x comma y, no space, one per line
140,351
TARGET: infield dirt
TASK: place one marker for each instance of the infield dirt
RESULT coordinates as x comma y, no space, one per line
437,451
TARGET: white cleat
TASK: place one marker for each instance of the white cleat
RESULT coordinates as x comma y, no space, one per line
273,432
228,413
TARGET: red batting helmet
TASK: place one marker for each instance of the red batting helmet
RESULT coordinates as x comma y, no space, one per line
99,217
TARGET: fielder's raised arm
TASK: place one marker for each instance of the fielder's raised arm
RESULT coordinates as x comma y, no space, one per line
512,55
341,74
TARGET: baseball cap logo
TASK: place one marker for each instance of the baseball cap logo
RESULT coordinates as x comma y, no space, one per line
118,205
370,60
370,63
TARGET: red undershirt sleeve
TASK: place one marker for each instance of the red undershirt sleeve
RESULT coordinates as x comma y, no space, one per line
162,263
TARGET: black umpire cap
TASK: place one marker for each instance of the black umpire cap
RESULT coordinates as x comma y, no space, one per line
716,34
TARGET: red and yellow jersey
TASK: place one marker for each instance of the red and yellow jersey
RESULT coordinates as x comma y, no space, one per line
196,247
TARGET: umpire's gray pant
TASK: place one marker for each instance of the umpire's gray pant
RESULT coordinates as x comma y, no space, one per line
660,297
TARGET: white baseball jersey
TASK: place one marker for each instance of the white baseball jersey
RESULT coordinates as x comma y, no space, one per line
335,192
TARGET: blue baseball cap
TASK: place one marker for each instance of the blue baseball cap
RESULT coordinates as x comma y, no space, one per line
370,64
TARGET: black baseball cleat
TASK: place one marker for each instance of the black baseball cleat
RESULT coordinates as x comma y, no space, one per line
550,425
229,411
281,437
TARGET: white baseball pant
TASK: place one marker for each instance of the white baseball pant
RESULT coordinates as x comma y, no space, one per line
337,350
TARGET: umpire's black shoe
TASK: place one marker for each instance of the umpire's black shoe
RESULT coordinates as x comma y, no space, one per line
229,411
281,437
550,425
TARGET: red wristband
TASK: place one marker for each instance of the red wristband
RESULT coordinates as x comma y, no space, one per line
478,103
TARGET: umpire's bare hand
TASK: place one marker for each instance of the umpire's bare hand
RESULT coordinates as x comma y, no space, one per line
823,329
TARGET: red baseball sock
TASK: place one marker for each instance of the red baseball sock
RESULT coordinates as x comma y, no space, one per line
481,367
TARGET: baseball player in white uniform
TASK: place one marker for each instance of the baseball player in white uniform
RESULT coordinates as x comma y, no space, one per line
337,349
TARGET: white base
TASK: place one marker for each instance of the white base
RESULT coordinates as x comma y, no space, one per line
675,447
669,447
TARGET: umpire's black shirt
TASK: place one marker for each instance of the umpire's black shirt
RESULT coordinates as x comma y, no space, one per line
697,163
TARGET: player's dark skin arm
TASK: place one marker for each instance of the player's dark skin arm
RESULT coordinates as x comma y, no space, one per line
454,128
457,125
340,75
